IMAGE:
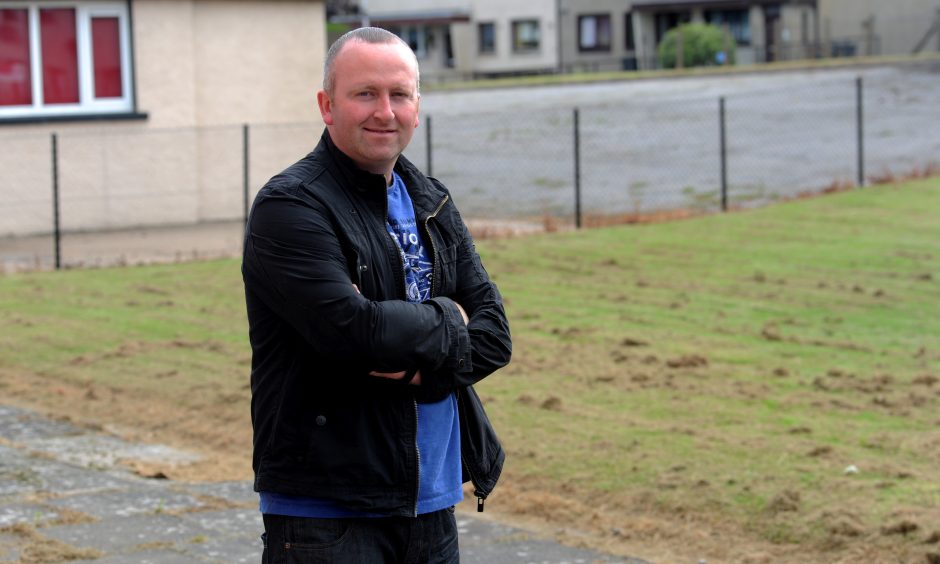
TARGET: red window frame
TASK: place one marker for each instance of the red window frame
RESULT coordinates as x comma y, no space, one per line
64,58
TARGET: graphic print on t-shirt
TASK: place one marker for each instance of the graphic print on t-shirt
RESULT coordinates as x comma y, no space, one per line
403,227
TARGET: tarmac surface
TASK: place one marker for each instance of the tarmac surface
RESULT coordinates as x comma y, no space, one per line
64,491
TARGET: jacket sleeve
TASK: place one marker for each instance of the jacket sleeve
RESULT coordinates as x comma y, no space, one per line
294,263
488,329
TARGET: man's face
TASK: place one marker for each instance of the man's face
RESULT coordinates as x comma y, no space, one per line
373,110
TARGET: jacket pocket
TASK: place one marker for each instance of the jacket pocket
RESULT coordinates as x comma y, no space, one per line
353,264
447,271
359,272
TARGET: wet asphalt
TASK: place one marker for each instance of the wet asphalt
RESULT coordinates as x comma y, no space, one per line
67,484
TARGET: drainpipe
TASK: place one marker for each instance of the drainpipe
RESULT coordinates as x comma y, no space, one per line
558,14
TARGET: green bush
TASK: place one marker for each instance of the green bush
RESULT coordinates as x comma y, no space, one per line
701,45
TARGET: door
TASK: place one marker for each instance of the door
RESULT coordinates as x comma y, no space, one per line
772,33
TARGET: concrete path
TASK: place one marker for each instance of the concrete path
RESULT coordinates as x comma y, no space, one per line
63,495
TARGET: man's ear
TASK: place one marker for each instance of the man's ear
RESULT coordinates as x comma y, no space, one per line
418,111
326,107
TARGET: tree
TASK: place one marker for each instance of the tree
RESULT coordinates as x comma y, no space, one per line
702,45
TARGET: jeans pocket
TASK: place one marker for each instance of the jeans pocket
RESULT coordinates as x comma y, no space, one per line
305,534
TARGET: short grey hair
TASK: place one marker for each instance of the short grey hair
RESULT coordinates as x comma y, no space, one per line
375,35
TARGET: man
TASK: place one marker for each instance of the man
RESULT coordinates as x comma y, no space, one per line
370,317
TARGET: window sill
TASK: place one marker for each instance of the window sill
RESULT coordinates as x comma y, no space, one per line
126,116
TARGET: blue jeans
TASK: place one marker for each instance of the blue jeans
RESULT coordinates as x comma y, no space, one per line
426,539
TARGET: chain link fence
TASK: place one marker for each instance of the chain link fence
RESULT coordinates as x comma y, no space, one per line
85,197
628,160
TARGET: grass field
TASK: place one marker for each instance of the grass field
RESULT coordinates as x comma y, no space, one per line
754,386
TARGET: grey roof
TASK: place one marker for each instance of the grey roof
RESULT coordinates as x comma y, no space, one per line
686,4
446,15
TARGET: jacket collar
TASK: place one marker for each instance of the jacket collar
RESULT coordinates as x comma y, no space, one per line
360,180
424,194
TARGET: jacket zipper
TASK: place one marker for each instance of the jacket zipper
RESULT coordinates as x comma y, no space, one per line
435,270
418,459
404,294
481,497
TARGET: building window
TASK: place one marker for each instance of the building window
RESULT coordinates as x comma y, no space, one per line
415,36
664,21
64,59
738,22
594,32
487,37
525,35
628,41
15,67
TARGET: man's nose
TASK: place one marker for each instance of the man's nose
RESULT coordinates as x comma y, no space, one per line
383,109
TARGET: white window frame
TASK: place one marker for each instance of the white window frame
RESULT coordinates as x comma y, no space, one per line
516,32
589,33
87,103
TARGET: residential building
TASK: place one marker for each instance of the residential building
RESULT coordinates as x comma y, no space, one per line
512,36
455,39
428,28
148,98
876,27
475,38
598,35
160,63
763,30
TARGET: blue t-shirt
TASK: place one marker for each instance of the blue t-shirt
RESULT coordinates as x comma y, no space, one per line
439,468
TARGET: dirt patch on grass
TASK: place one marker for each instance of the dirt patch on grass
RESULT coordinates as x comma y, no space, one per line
37,548
219,430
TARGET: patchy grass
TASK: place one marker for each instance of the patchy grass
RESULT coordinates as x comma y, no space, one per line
708,367
693,389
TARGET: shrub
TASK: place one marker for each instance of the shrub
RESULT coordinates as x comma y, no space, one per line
701,46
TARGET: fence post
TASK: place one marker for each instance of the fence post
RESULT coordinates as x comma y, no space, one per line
245,172
577,171
56,227
860,127
427,125
724,153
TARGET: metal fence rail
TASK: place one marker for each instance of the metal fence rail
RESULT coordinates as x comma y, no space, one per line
94,197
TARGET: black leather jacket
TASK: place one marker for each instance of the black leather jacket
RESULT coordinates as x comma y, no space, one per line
322,426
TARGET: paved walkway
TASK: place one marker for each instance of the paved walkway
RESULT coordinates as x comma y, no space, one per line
61,483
